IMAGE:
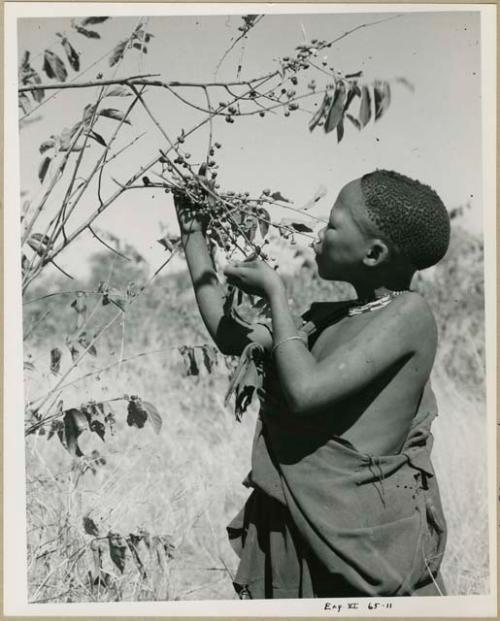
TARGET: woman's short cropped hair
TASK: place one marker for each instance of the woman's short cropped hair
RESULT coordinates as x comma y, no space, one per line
409,214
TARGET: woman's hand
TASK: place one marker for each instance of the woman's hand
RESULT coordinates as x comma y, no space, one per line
254,277
188,215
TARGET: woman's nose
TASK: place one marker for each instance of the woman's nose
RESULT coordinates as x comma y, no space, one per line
321,233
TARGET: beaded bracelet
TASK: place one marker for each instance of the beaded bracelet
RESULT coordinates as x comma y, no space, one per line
290,338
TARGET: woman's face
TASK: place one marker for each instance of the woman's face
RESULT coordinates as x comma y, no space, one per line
345,241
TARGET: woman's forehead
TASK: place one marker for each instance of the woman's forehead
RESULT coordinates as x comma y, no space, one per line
351,200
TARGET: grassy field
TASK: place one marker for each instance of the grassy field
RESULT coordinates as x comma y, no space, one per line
171,494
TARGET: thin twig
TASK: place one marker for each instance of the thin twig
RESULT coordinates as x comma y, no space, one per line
235,42
106,245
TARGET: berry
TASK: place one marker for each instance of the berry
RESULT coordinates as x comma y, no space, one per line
262,113
294,80
217,145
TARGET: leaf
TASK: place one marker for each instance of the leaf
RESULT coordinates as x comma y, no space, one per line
110,420
39,243
336,111
352,93
300,227
118,91
95,418
318,195
189,358
86,343
141,47
44,167
88,114
382,97
136,414
166,543
209,357
90,34
55,359
90,527
75,422
365,112
118,52
25,63
264,221
132,541
39,94
78,304
117,550
54,67
57,426
153,415
97,137
340,131
103,580
24,103
114,300
113,113
166,243
319,113
71,54
249,226
354,121
46,145
409,85
88,21
74,351
247,379
277,196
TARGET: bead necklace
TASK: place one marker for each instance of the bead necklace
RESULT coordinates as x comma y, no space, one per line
374,304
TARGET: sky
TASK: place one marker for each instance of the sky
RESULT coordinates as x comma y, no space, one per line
432,134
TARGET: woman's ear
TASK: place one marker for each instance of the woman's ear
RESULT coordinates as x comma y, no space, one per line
377,254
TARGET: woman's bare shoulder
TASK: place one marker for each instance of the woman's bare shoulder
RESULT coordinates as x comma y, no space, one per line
414,317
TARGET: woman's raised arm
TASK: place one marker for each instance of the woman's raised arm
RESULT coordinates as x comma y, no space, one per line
230,335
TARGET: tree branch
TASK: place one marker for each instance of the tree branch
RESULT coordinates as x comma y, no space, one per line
138,81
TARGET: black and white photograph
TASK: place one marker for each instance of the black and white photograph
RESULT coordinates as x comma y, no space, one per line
249,309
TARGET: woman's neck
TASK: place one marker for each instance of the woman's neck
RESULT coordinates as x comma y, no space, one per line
367,292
